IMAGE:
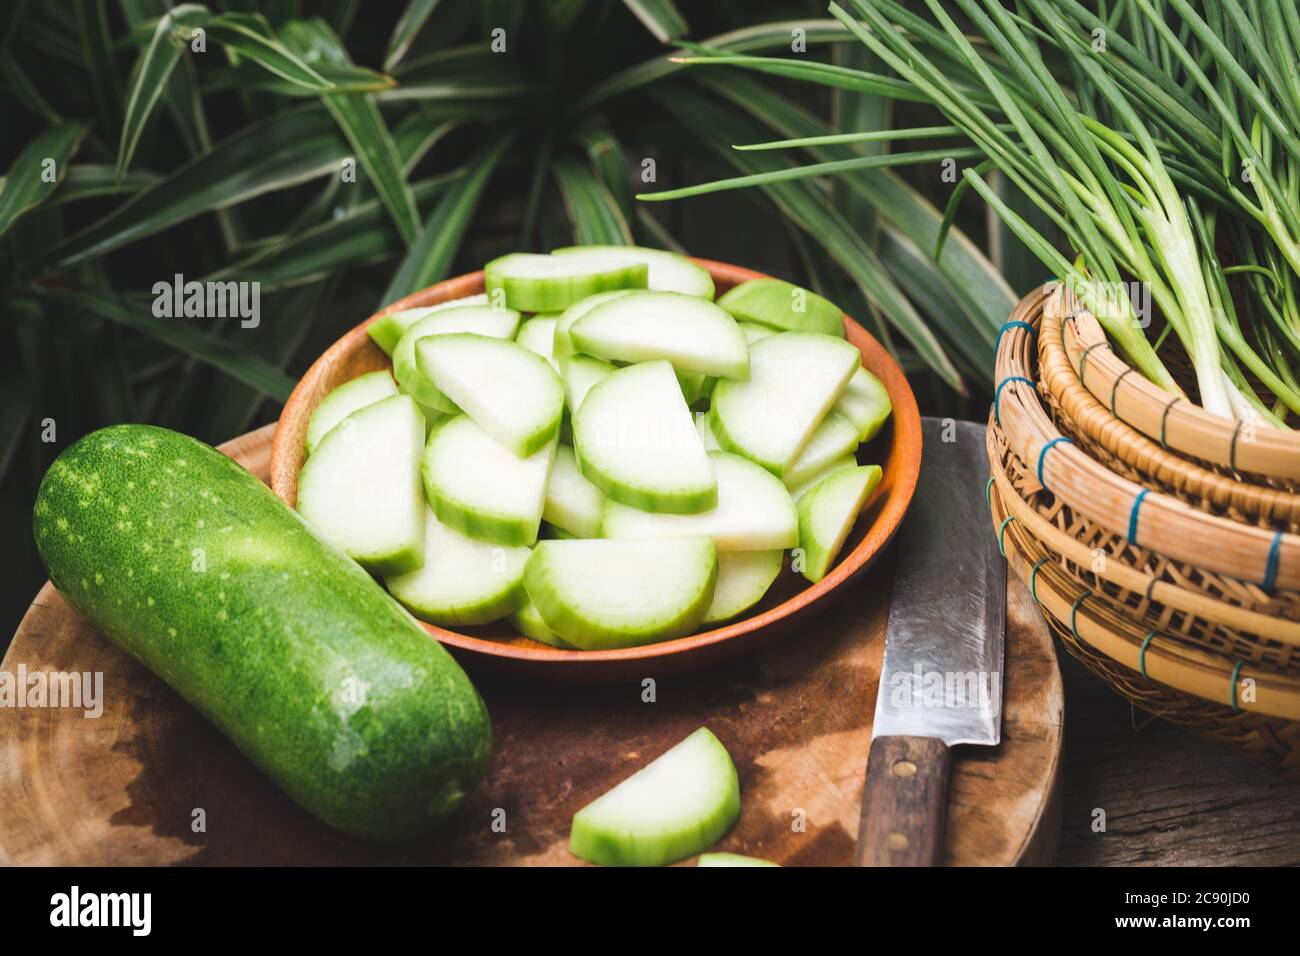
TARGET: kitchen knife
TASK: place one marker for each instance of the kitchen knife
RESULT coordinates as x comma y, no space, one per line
941,676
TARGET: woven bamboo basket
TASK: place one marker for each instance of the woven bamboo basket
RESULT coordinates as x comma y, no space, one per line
1187,686
1127,451
1265,558
1173,617
1160,594
1265,455
1213,609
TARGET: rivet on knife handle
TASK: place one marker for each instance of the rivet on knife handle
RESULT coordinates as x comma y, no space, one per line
904,803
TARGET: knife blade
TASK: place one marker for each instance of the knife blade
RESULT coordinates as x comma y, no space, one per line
941,674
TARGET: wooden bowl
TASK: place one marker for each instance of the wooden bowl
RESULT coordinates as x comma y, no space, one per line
897,449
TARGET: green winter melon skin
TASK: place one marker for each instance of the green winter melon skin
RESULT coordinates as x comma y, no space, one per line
201,573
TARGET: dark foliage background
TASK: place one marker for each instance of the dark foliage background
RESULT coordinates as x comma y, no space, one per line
226,164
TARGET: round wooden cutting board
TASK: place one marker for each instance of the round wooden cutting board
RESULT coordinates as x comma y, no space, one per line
150,782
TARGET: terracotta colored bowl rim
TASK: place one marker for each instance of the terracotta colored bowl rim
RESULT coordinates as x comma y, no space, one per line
906,455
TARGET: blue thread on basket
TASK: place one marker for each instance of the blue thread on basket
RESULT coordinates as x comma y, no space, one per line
1013,324
1270,566
997,394
1042,453
988,494
1115,388
1083,359
1133,516
1074,614
1232,446
1236,671
1142,653
1001,531
1164,421
1033,579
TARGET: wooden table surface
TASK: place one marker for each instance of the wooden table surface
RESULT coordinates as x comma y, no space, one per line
1171,798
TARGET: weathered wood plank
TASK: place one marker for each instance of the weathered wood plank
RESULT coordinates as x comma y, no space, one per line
1170,797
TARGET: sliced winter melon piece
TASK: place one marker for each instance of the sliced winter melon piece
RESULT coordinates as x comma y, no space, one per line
481,488
536,283
799,490
464,581
783,306
511,393
677,805
827,513
834,438
755,332
599,594
795,378
480,319
695,386
343,401
387,330
360,490
693,334
538,335
580,373
706,433
563,345
732,859
754,512
530,624
865,403
636,441
432,416
573,503
743,579
669,272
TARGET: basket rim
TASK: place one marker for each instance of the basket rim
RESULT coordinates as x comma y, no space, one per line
1165,524
1094,419
1172,662
1130,578
1172,419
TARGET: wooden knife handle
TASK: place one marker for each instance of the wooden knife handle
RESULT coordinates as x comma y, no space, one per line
904,803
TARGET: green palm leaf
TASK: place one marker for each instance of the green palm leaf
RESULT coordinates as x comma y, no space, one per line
610,163
430,258
152,74
344,78
765,36
361,236
970,277
412,19
358,116
284,150
212,350
592,210
249,37
661,18
93,181
38,170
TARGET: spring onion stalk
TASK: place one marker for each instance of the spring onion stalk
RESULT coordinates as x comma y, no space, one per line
1056,161
1163,133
